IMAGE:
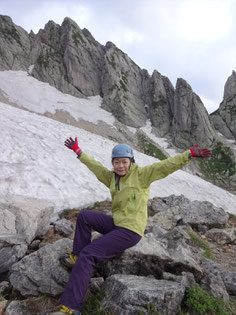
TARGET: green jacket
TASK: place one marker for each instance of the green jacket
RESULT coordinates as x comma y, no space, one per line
129,204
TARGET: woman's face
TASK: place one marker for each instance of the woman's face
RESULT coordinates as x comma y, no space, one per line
121,165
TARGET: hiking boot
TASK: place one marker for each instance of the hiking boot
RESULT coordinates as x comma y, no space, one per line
62,310
69,259
66,310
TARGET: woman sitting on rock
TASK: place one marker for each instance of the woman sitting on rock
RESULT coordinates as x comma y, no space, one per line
129,186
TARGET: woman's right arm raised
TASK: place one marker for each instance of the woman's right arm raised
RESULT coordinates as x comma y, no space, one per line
102,173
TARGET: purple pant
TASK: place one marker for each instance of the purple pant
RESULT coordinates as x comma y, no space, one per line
115,240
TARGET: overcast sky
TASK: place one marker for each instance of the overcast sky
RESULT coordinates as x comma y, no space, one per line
190,39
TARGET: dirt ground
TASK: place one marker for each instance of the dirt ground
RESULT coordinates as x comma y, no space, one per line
225,254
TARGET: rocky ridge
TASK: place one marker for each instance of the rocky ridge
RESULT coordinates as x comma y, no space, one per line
74,62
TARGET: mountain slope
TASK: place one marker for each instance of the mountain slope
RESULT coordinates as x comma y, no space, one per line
36,163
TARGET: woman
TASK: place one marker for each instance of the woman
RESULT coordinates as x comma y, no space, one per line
129,186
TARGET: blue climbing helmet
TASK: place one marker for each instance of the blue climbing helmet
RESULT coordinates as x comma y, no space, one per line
122,150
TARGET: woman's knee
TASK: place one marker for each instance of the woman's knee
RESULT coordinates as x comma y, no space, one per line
82,215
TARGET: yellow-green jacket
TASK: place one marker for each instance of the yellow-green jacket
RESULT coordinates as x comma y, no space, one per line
129,204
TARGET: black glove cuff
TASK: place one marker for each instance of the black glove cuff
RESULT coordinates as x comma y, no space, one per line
78,156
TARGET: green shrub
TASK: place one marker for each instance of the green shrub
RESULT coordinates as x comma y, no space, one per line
149,148
220,164
47,57
92,305
150,309
202,302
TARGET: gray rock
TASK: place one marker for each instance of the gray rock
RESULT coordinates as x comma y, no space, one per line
156,230
96,284
128,294
152,256
179,233
228,277
22,219
146,258
10,252
34,245
215,285
41,272
222,236
186,278
178,209
16,308
28,217
64,227
183,257
167,220
202,228
4,287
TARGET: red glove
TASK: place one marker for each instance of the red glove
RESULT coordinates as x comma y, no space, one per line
202,153
73,145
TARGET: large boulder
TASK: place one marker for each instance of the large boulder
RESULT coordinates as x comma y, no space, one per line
16,307
222,236
215,285
41,272
21,220
131,295
228,277
153,256
173,210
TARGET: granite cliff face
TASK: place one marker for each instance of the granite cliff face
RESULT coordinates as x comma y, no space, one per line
124,87
224,119
75,63
162,103
190,118
14,46
68,58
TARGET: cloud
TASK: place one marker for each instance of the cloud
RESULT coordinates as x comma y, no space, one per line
203,20
210,104
192,39
36,17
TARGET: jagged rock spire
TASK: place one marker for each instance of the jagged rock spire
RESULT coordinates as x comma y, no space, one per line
224,119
